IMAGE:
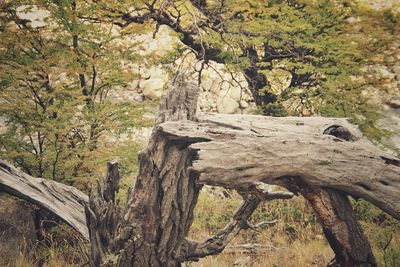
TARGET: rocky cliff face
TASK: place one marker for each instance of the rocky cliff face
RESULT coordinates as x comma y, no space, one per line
221,90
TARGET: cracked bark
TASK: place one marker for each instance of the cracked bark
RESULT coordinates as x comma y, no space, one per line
160,208
269,150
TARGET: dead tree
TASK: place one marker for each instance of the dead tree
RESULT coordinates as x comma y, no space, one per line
323,159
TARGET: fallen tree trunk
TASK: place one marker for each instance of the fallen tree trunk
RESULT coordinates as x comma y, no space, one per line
322,152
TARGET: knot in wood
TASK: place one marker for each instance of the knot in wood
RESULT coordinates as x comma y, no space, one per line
340,132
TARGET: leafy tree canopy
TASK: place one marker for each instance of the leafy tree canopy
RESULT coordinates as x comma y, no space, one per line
56,75
315,41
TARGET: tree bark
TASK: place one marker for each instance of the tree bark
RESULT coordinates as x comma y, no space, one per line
159,209
104,219
344,232
340,225
322,152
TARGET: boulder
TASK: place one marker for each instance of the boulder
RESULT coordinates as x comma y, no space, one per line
157,72
133,85
152,88
395,102
243,104
384,73
207,84
225,104
37,17
236,93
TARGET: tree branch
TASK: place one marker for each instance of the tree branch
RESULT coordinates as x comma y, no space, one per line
192,250
64,201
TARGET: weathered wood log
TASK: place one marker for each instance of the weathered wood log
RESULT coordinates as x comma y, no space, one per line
304,152
323,152
64,201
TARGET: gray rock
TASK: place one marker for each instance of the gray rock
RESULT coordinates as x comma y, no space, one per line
243,262
225,104
152,88
382,72
133,85
157,72
37,17
243,104
395,102
236,93
207,84
352,20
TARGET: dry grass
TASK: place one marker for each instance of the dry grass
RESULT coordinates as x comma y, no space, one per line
55,261
296,240
314,253
297,237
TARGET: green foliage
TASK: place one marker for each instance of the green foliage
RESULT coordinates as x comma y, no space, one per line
345,100
382,231
276,108
323,44
367,212
305,37
55,81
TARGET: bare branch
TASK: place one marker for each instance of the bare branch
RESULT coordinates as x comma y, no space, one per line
192,250
214,245
64,201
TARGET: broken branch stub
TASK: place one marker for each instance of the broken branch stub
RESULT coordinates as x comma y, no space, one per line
108,233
